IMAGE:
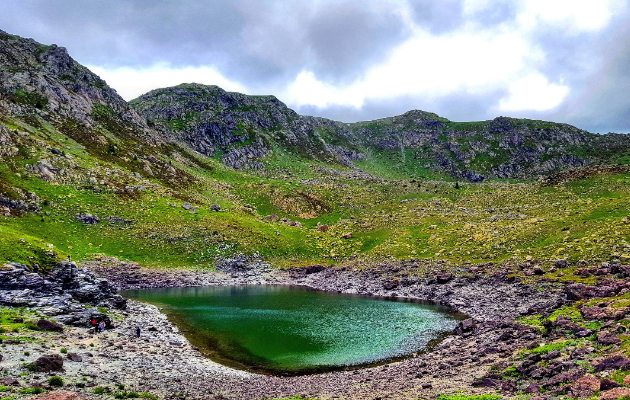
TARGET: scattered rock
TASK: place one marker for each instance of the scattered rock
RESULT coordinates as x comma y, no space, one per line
74,357
347,235
607,384
215,207
88,218
588,382
607,338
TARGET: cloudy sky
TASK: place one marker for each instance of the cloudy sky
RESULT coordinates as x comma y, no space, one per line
562,60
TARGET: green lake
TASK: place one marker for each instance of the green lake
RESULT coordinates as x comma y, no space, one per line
287,330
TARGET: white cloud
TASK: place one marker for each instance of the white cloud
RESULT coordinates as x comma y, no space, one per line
533,92
473,59
573,16
428,66
131,83
470,60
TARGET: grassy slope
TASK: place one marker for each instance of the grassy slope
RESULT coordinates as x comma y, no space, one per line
585,219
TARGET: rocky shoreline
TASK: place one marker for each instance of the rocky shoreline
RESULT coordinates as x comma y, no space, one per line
162,362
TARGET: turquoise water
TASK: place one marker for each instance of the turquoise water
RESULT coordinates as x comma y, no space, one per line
290,330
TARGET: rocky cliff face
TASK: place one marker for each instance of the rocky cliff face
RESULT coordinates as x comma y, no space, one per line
241,129
500,148
40,81
42,85
62,292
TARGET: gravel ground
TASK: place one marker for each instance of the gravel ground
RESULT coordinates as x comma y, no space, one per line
164,363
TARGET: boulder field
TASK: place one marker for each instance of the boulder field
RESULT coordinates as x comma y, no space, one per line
521,336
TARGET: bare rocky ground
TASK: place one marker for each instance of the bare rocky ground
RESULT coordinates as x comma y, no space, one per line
474,359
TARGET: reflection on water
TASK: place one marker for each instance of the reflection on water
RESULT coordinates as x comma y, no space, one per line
290,330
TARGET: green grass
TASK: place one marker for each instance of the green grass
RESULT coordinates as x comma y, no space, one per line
493,221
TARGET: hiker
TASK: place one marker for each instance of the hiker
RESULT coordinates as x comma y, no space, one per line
101,326
138,331
94,325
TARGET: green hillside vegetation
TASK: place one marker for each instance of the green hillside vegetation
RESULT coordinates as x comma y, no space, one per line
424,219
395,187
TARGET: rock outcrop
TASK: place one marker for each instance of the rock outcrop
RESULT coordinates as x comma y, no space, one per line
62,293
42,80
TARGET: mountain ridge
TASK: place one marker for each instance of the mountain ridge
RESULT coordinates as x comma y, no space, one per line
251,132
500,148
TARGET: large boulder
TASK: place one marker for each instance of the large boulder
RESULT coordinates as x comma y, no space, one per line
614,362
47,325
85,318
615,393
588,382
88,219
50,362
607,384
607,338
313,269
465,326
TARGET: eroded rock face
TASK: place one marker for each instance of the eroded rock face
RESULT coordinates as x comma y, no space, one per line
240,127
46,80
61,293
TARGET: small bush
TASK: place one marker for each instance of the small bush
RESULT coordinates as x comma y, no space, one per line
32,326
121,387
55,381
4,388
27,353
3,329
32,367
146,395
63,350
91,344
99,390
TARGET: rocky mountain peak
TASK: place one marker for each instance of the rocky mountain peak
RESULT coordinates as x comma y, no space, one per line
44,81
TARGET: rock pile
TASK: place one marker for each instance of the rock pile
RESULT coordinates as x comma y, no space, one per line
61,292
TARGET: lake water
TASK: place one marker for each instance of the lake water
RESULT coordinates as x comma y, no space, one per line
289,330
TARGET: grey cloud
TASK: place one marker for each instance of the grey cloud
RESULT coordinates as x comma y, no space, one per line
264,44
438,16
248,40
597,68
456,107
344,40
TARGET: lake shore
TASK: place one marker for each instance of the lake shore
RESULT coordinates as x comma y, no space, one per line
455,364
162,362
